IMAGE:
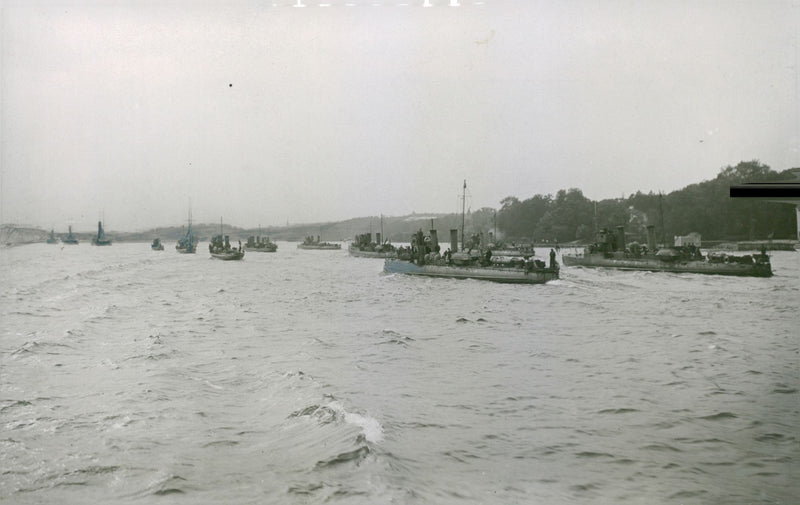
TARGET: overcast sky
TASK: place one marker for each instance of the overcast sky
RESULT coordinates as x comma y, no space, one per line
268,111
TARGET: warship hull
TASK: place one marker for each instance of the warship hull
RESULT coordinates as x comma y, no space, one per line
655,264
493,274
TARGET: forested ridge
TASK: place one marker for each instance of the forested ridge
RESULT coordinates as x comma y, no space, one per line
705,208
568,216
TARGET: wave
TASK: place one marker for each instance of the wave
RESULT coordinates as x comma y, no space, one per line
334,412
173,484
346,457
14,404
719,416
618,411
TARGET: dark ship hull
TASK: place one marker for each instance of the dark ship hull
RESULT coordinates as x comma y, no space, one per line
325,246
509,275
358,253
228,255
653,263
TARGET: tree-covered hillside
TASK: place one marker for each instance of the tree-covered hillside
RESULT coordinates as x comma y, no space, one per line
705,208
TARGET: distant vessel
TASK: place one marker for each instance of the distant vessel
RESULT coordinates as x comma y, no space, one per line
610,252
157,245
220,247
100,238
70,238
52,238
259,244
424,259
313,243
188,243
364,247
512,250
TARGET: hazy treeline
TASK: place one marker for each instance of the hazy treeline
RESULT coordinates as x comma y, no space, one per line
567,217
705,208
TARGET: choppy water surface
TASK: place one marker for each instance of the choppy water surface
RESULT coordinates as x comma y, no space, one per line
132,376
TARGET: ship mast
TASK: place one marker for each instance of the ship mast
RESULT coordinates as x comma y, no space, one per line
463,207
661,217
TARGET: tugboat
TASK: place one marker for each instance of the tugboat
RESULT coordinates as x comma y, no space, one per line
157,245
313,243
364,247
220,247
100,238
52,238
187,244
610,251
70,238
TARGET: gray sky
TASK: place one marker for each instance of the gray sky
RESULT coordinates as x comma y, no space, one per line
264,112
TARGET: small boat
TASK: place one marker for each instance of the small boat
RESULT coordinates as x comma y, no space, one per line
220,247
157,245
258,244
188,243
52,238
610,251
311,242
100,238
70,238
364,247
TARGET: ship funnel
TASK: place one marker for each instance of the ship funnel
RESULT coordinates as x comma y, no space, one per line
453,241
651,237
378,238
621,238
434,241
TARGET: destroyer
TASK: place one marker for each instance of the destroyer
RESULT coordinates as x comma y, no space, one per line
258,244
610,251
364,247
424,258
220,248
313,243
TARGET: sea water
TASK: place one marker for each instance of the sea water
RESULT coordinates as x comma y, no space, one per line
134,376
